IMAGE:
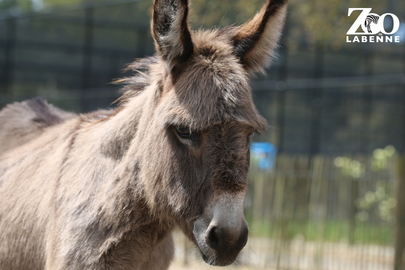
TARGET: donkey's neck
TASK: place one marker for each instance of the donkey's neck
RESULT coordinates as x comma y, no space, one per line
119,193
123,142
121,128
118,131
118,134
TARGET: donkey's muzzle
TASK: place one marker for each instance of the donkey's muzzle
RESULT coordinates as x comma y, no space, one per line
222,235
227,240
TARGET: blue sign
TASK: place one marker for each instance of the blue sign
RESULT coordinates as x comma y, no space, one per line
264,154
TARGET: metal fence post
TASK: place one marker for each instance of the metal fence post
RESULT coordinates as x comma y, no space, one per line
9,59
399,257
281,93
367,97
316,100
87,54
403,110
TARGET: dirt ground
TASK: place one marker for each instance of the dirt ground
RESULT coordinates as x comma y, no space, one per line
178,265
296,254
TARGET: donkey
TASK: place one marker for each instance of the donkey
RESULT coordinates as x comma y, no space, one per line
105,190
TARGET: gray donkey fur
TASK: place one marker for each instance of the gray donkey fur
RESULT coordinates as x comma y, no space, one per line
105,190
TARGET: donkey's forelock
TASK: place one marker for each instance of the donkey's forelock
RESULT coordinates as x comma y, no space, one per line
211,87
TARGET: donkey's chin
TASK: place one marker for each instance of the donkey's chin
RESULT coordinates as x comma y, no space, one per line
217,258
220,255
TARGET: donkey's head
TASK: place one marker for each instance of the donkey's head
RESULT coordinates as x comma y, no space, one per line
196,128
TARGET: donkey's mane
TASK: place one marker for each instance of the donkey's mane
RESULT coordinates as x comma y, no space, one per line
134,84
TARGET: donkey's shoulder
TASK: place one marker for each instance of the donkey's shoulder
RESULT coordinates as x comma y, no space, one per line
20,122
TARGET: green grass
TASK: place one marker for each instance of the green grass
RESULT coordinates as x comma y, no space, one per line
331,231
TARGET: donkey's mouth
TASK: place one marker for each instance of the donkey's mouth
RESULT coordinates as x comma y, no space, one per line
214,260
222,235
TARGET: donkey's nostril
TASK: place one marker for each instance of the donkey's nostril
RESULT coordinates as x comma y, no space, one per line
213,237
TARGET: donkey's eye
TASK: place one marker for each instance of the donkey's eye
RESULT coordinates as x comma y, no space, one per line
187,134
184,132
249,138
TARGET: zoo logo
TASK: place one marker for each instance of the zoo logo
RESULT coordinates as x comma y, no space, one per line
372,24
371,18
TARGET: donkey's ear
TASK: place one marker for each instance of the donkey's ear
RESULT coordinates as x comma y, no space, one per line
255,41
170,30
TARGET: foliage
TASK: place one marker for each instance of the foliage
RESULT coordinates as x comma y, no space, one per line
381,158
16,5
314,21
334,231
381,199
222,13
61,3
350,167
327,21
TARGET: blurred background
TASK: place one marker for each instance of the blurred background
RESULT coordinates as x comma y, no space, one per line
327,180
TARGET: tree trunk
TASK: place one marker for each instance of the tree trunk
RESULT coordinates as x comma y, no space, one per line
399,260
